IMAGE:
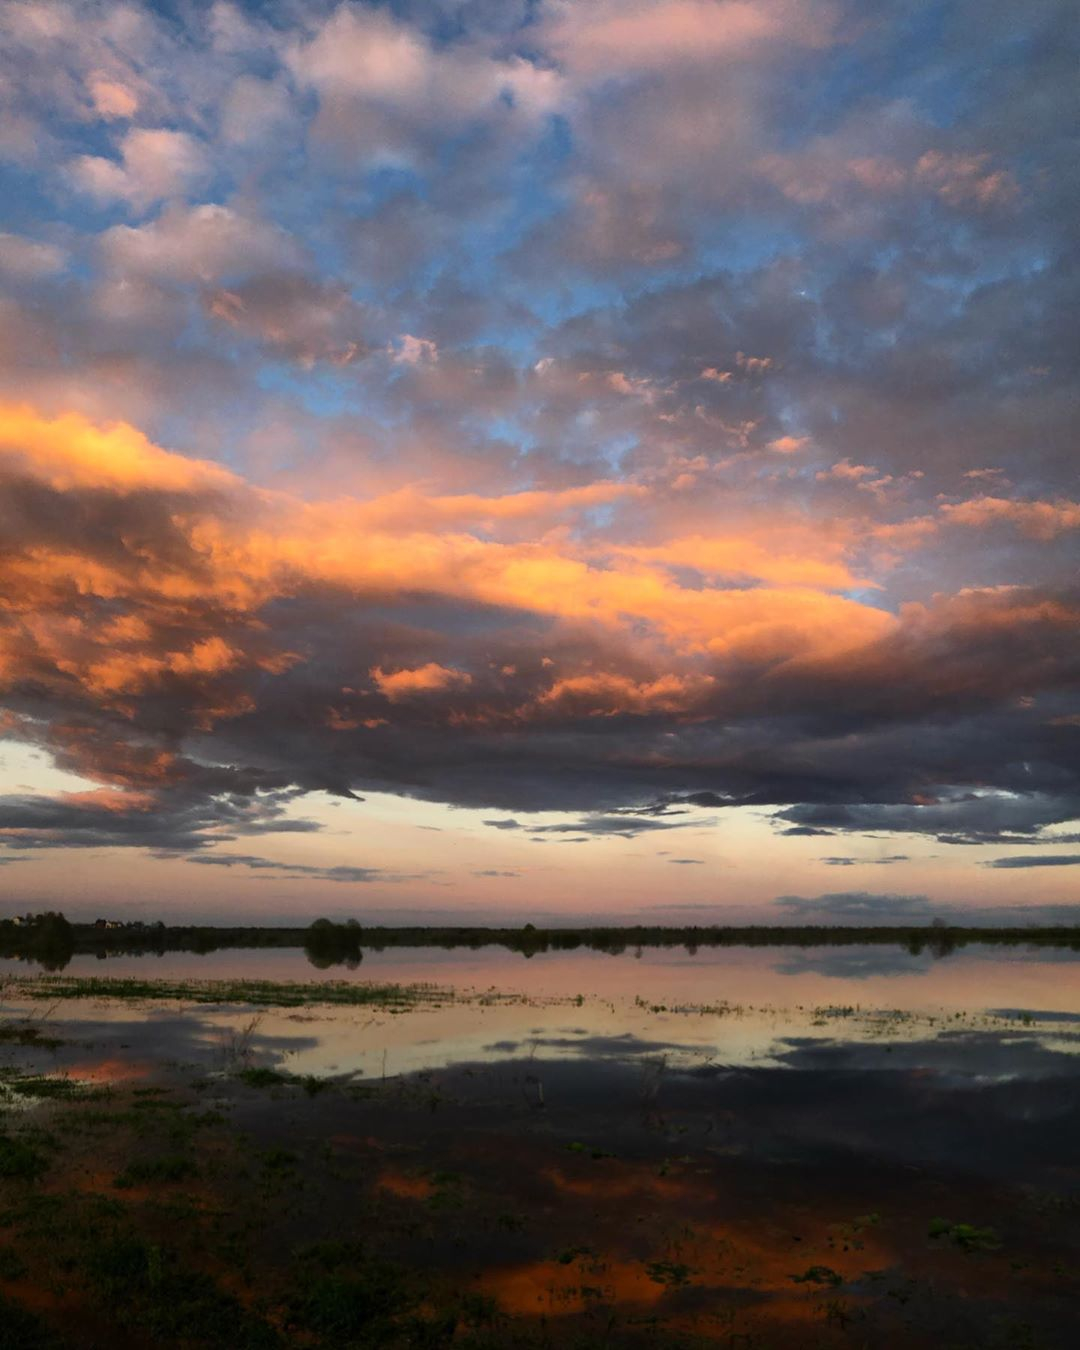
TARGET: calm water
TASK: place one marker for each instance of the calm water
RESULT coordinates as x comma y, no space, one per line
980,1011
971,979
734,1112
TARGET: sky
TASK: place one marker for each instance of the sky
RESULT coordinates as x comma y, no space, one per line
540,459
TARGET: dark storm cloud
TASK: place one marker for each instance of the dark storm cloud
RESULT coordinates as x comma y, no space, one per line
619,826
291,870
1038,860
860,906
961,818
845,861
179,819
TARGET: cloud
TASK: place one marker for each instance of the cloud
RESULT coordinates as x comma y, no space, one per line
427,679
609,38
845,861
188,814
1037,860
198,243
293,316
480,411
292,871
171,604
155,163
30,259
953,817
619,827
859,906
1039,520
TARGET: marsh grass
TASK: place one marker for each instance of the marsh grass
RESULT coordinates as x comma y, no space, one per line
247,993
29,1036
262,1077
52,1086
154,1292
347,1296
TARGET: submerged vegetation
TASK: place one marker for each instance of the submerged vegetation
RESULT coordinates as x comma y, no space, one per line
345,1223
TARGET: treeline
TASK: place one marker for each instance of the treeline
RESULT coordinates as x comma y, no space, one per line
45,938
51,938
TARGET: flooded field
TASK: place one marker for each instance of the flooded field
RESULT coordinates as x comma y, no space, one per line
738,1147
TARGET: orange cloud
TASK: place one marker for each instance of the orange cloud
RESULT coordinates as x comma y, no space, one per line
781,555
181,591
606,695
428,679
1038,520
72,452
186,595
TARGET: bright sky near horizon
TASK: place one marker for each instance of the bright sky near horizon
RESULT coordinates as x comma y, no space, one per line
561,458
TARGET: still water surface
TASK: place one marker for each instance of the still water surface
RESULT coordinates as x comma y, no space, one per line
978,1011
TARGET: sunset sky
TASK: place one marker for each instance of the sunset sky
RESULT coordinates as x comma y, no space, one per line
519,459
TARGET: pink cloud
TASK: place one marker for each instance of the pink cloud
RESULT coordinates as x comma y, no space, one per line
154,164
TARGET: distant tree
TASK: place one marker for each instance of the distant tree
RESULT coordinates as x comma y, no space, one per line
47,938
327,944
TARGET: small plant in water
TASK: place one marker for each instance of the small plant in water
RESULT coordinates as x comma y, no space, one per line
262,1077
965,1235
673,1274
819,1275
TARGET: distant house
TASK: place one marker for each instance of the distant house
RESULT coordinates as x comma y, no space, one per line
107,923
